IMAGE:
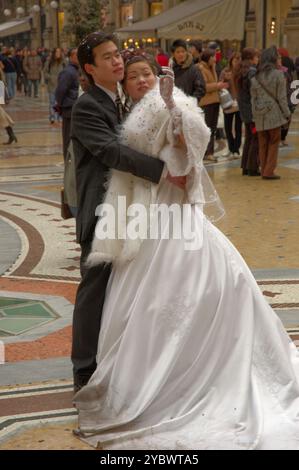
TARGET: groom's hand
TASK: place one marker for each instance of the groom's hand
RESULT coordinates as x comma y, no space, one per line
179,181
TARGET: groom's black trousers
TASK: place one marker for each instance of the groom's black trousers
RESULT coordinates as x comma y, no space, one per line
87,317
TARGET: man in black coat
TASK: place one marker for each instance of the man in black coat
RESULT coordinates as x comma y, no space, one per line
95,118
188,77
66,95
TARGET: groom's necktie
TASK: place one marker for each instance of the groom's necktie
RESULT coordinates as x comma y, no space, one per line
122,109
119,108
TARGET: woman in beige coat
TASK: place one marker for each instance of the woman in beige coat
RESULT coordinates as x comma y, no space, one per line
270,110
210,102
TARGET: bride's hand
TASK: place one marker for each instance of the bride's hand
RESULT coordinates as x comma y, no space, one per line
166,92
166,87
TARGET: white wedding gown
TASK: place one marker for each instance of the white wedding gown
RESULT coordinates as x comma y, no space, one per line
190,356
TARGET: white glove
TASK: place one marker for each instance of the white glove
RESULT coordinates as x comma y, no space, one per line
166,91
166,87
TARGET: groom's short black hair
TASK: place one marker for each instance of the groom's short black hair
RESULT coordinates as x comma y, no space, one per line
89,43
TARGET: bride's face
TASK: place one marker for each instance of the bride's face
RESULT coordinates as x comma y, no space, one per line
139,80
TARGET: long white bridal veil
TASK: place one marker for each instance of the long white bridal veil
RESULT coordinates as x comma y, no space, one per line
189,161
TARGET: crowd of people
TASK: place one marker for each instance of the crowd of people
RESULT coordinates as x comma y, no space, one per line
231,91
24,68
245,86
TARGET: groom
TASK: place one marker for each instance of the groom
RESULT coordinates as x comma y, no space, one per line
95,118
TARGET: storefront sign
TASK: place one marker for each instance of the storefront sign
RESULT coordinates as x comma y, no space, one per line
191,25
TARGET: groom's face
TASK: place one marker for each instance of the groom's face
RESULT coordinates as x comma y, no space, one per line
108,68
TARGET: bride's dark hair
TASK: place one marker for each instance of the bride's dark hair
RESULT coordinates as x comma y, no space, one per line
132,56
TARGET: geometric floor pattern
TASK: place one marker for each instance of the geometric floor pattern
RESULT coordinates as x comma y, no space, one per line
39,269
19,316
22,408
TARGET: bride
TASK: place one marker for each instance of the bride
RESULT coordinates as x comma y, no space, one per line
190,354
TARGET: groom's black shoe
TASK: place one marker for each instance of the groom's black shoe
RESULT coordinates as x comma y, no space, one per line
80,381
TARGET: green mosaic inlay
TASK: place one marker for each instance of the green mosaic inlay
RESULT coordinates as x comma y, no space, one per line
4,302
34,310
13,327
18,316
3,333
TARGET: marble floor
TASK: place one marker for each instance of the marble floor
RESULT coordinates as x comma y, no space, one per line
39,269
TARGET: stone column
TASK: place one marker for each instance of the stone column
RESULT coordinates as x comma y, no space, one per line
54,24
291,29
50,39
36,39
141,10
114,8
261,24
251,24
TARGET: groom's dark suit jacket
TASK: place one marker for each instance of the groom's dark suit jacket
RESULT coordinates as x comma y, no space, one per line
97,149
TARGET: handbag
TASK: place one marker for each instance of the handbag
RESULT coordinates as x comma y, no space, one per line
286,125
226,99
65,210
234,108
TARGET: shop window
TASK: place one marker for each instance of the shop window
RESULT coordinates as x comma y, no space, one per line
155,8
126,13
60,21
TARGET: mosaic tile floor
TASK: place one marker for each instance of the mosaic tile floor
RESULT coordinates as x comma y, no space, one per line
20,316
39,269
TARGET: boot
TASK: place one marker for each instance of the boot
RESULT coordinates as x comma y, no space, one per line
11,135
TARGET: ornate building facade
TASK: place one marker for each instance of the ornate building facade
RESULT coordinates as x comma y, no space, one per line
273,22
34,23
267,22
41,22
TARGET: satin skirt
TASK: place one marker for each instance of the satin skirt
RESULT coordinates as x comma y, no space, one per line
190,355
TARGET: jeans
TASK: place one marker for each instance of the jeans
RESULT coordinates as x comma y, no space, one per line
53,115
35,84
11,80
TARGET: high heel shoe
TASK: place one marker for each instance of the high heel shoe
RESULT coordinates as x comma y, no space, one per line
11,136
